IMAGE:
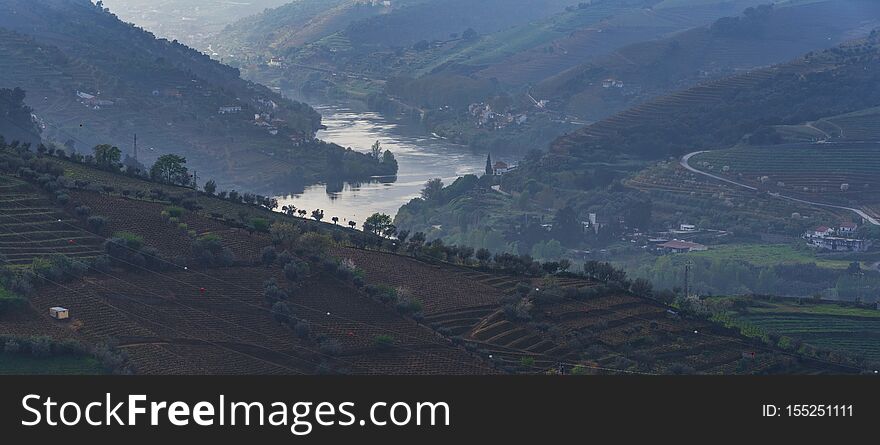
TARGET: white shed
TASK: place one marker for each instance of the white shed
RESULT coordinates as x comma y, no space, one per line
59,313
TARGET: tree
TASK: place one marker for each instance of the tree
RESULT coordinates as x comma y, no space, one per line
335,220
469,34
171,169
433,189
318,215
489,170
402,236
210,187
376,150
483,256
566,226
380,224
107,155
352,224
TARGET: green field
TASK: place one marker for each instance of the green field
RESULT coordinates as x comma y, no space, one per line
62,365
849,330
768,255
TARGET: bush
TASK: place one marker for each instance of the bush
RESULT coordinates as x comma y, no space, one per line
296,270
268,255
302,330
97,223
260,225
282,313
174,211
384,342
83,211
209,251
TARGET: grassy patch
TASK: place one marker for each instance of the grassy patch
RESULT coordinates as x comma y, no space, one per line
768,255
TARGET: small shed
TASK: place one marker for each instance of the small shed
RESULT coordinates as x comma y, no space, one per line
59,313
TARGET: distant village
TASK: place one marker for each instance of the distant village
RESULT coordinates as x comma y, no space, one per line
839,239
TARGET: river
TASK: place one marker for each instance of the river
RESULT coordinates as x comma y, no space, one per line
420,157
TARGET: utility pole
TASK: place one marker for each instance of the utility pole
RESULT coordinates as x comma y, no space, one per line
687,281
195,179
135,147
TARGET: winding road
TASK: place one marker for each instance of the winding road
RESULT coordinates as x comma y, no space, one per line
685,162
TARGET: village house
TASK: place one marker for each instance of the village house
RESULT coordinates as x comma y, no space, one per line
826,238
500,168
612,83
679,246
847,228
229,110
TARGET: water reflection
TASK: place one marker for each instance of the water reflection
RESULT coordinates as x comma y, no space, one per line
419,157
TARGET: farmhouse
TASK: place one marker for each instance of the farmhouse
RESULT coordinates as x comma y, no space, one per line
678,246
823,231
59,313
839,244
826,238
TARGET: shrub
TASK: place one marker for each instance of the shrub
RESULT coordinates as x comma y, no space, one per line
174,211
313,243
209,251
260,225
296,270
302,329
83,211
273,294
282,313
329,346
519,310
97,223
384,342
284,258
268,255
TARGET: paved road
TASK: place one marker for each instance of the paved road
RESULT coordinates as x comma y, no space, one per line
685,163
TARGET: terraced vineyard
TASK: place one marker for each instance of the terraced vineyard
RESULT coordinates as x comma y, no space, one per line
676,191
836,328
196,320
32,227
837,173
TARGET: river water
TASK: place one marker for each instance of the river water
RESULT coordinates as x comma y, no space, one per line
420,157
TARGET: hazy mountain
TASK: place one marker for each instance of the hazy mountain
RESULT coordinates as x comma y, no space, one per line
192,22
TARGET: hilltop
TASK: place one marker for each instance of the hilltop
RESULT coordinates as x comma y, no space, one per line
91,79
167,280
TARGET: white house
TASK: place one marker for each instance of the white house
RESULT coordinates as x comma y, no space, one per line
823,231
59,313
228,110
500,168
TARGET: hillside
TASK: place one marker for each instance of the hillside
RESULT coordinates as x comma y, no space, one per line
206,289
93,79
762,36
627,171
285,30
